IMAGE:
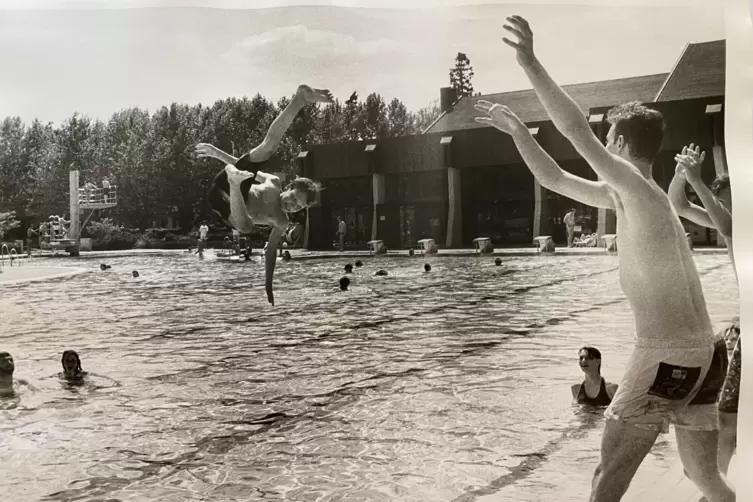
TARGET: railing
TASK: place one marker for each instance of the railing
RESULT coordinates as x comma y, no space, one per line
10,252
98,195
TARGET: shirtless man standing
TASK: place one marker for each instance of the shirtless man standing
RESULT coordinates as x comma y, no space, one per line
244,196
716,213
677,368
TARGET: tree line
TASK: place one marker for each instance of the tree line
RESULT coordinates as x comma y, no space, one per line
150,157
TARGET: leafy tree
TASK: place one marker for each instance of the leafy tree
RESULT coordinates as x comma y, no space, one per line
461,75
8,222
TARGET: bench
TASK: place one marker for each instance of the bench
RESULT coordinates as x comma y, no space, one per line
610,242
377,247
483,245
428,246
544,243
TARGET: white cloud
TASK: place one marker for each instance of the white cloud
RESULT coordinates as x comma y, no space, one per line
300,41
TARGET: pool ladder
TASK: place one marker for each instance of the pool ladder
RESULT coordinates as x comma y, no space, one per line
12,255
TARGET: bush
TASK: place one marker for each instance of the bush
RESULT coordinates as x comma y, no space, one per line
117,240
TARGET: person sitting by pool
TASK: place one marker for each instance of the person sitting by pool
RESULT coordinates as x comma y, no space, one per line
588,241
594,390
72,366
8,385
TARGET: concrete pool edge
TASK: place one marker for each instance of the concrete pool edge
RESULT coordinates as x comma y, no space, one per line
22,275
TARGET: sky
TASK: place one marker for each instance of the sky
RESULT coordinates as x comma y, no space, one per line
61,57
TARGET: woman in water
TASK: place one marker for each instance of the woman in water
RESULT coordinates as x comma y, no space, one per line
72,366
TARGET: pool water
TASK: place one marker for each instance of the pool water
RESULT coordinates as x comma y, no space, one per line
440,386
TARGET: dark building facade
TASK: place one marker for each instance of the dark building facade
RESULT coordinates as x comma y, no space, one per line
460,180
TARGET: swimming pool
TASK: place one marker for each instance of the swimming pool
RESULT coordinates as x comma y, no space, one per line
451,385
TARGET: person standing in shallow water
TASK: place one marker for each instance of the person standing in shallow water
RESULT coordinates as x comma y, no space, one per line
716,213
676,371
594,390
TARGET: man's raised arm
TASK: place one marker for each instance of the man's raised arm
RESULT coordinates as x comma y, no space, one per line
543,167
713,214
565,113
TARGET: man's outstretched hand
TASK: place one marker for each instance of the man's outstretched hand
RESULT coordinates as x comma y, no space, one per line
311,95
498,116
524,44
690,162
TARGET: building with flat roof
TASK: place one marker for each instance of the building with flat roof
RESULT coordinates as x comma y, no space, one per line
460,180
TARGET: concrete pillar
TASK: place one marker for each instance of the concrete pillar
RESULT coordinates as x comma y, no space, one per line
454,237
379,193
538,206
75,211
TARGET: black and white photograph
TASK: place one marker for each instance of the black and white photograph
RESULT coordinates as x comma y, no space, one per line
451,250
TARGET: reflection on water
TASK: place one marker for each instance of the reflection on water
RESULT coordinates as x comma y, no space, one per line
448,385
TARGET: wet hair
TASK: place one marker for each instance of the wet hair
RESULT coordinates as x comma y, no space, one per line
720,183
381,272
307,185
344,283
74,354
359,263
348,268
135,273
286,255
411,252
642,128
593,353
498,261
3,371
427,267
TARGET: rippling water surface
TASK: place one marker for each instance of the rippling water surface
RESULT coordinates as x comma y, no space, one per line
448,385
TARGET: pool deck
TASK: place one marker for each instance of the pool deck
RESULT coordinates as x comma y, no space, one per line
302,254
28,273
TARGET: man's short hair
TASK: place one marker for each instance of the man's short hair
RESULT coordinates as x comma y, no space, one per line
720,183
642,128
309,186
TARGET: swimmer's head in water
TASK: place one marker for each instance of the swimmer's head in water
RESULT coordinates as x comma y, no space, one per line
498,261
411,252
286,255
589,357
7,366
359,263
300,194
721,190
344,283
135,273
636,132
348,268
71,363
427,267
